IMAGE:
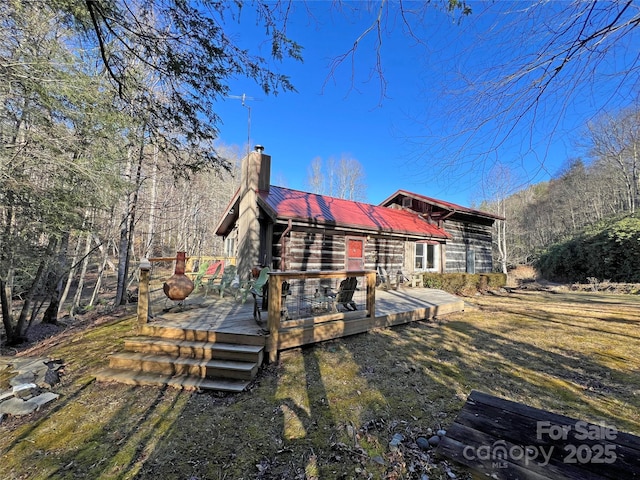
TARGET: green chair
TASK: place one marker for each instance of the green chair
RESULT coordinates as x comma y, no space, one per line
211,281
257,289
226,281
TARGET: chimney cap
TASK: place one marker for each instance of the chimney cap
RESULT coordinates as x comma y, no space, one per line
259,148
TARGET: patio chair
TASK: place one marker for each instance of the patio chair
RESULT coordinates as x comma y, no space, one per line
345,293
211,281
226,281
256,289
197,280
387,281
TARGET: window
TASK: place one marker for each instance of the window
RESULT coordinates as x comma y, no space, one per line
426,257
230,247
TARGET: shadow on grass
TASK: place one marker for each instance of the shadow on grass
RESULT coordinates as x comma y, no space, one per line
408,378
526,359
300,419
130,432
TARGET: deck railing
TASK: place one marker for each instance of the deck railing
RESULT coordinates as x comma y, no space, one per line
275,299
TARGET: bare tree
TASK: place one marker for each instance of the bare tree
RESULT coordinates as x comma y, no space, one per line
315,178
616,140
549,58
519,64
343,178
496,193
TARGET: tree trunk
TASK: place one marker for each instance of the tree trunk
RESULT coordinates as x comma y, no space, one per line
28,300
96,288
128,227
123,245
83,272
72,270
152,206
7,320
54,282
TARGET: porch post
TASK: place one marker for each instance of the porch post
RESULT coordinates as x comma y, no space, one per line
273,317
370,277
143,292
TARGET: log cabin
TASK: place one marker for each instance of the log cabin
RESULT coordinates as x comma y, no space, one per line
292,230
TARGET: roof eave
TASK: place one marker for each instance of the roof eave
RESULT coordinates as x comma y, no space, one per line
229,217
445,206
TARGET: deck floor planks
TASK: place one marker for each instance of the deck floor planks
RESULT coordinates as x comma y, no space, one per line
226,315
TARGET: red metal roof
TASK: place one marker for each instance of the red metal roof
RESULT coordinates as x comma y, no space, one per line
322,210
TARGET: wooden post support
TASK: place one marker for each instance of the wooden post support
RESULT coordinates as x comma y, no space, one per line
143,292
370,277
274,312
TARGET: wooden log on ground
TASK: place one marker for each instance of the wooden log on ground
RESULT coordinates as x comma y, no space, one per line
507,440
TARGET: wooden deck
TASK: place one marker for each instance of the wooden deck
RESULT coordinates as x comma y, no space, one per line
214,343
226,316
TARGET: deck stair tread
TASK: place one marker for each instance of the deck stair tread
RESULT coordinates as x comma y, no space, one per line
203,334
196,343
214,363
169,342
179,381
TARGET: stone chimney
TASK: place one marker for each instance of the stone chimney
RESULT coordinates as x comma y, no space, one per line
252,241
256,170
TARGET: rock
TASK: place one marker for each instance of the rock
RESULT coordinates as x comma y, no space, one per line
441,433
32,375
43,399
16,407
22,378
24,390
51,377
434,441
395,441
351,431
422,443
5,395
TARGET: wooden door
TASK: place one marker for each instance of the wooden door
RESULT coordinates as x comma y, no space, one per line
355,253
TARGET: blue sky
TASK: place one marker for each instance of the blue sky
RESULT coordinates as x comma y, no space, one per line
413,138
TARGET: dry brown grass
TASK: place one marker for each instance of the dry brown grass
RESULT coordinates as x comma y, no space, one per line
522,273
329,411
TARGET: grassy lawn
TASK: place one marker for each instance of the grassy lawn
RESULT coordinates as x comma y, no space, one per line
330,411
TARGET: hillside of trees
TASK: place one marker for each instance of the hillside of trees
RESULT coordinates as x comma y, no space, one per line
107,146
583,222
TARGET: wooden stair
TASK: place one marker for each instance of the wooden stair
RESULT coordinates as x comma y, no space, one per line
187,357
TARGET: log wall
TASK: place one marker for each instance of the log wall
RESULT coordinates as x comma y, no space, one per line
468,237
315,249
325,250
387,253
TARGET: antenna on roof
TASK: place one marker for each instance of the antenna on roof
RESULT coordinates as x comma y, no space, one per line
244,99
